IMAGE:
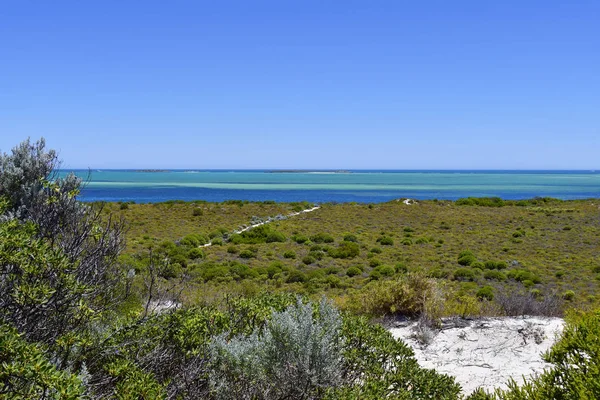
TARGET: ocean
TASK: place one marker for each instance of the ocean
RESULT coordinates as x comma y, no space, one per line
148,186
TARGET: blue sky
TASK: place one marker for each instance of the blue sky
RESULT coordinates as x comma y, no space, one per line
304,84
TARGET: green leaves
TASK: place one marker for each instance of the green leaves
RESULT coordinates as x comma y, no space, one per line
26,373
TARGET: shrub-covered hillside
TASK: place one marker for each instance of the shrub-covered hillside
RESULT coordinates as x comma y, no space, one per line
540,247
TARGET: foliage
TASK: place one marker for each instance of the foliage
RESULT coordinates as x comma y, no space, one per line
26,372
322,238
407,294
260,234
481,201
345,250
61,264
379,367
485,293
297,354
385,241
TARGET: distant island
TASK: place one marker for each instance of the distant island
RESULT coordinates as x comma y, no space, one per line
152,170
305,171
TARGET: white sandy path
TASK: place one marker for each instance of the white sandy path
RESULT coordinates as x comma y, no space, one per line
267,222
487,352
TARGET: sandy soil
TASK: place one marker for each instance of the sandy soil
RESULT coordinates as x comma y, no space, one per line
484,352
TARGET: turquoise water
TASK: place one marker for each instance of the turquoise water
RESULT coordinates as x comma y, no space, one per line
319,187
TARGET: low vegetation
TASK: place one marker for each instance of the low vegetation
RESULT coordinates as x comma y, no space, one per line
191,309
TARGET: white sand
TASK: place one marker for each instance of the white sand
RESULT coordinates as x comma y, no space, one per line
486,352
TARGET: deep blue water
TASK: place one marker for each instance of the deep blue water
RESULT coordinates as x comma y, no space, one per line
327,186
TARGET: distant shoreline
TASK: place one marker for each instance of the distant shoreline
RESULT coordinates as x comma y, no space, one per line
306,171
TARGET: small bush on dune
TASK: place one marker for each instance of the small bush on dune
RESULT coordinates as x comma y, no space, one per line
289,254
485,293
308,260
322,238
522,275
350,238
300,239
256,235
464,274
296,276
481,201
247,254
494,275
345,250
294,356
467,260
408,294
385,270
385,241
568,295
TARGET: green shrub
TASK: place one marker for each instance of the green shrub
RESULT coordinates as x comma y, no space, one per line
345,250
406,242
300,239
374,275
350,238
569,295
289,254
386,270
274,237
490,265
485,293
464,274
385,241
26,372
322,238
217,242
247,254
260,234
494,275
465,253
407,294
376,250
195,253
374,263
308,260
481,201
295,275
353,271
467,260
521,275
438,273
422,240
501,265
478,265
401,268
193,240
233,250
197,212
273,270
170,270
